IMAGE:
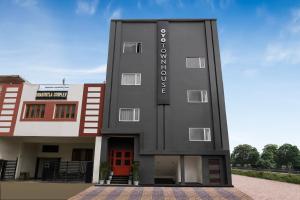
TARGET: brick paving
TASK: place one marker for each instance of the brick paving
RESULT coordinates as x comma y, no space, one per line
262,189
160,193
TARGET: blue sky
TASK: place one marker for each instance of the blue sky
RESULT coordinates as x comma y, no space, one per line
46,40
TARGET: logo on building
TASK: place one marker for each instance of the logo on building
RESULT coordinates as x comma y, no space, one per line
162,64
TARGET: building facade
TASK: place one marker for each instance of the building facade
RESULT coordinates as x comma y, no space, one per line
50,132
164,103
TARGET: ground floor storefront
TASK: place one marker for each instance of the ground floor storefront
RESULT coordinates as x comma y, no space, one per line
163,168
48,158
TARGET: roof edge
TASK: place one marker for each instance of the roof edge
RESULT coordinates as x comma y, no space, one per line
167,19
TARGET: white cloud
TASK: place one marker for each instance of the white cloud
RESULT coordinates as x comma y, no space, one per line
289,53
228,57
286,46
294,25
87,7
26,3
117,14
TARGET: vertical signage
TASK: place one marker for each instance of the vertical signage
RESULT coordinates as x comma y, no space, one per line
162,63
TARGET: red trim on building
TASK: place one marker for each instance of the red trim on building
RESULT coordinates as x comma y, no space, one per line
84,109
49,111
15,109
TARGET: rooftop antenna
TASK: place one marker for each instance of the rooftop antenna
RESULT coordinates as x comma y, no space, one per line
63,81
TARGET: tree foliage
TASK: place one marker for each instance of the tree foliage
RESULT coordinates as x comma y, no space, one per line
244,154
287,155
268,157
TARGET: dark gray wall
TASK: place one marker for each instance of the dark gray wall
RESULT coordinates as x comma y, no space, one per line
186,39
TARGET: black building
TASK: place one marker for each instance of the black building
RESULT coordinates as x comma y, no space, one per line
164,102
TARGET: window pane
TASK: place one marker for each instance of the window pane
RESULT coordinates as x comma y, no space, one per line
118,162
197,96
126,114
138,79
65,111
132,47
27,111
73,112
137,114
119,154
199,134
127,162
127,154
195,62
68,111
128,79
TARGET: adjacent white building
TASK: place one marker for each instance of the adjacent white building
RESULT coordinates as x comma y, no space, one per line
50,132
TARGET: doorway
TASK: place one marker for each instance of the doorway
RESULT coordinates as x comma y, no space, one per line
121,155
121,162
46,168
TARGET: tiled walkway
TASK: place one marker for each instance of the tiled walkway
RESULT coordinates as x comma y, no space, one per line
160,193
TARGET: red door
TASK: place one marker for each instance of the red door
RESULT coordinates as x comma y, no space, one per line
121,161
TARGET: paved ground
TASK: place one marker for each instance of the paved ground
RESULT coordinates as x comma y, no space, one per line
33,190
262,189
160,193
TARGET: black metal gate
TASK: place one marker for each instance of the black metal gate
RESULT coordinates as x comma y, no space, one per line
8,169
78,171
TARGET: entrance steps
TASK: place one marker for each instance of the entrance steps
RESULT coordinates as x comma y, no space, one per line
120,180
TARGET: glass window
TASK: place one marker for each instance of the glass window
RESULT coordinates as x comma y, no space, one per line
199,134
34,111
131,79
127,162
50,148
127,154
118,162
65,111
197,96
119,154
196,62
129,114
132,47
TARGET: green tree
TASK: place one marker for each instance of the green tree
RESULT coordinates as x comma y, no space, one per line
297,162
287,155
244,154
269,156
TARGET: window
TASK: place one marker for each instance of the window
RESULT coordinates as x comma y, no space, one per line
197,96
132,47
65,111
129,114
195,62
34,111
131,79
199,134
50,148
82,154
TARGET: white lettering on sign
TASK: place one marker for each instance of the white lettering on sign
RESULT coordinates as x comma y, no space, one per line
163,60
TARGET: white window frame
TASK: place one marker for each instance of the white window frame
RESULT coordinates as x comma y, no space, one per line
135,78
136,112
203,93
136,47
202,63
207,135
